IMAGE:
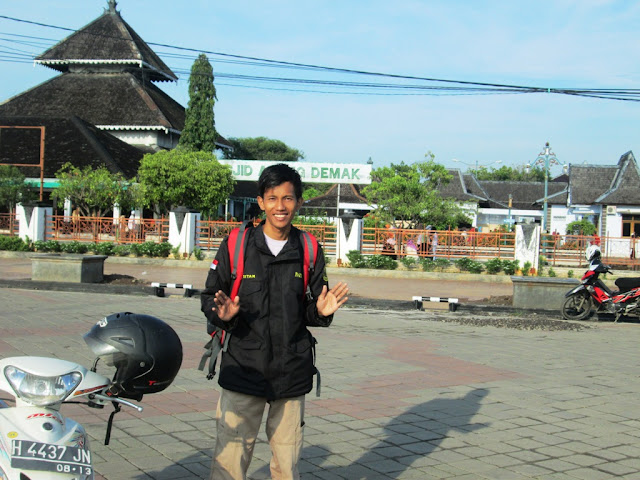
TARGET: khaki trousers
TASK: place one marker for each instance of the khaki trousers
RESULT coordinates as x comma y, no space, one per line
238,422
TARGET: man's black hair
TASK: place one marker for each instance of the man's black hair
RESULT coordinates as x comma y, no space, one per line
277,174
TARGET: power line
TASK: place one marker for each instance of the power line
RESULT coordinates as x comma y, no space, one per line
464,87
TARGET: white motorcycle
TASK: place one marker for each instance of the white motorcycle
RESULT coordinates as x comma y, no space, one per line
37,442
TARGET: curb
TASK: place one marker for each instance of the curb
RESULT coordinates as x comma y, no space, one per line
79,287
354,302
355,272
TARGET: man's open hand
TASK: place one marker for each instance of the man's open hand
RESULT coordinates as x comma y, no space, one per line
225,307
330,301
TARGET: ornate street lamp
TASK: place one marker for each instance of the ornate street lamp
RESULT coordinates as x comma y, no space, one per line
546,158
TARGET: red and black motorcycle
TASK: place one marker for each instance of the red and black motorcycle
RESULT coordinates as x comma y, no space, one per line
592,294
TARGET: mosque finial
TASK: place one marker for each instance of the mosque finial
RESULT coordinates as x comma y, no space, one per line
112,6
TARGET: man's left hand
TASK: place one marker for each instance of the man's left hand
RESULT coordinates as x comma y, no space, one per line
331,300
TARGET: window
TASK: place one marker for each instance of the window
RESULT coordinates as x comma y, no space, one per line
630,223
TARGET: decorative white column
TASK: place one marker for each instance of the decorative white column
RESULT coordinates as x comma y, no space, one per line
117,213
527,248
349,233
67,209
32,220
182,229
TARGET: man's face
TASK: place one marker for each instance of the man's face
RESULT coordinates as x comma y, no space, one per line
280,205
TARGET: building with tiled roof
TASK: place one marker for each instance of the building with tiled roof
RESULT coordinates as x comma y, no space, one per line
340,199
107,75
607,195
67,139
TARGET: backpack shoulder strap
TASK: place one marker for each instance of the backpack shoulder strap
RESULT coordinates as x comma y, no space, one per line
219,341
310,246
237,243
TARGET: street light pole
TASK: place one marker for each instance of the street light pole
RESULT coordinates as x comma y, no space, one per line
546,158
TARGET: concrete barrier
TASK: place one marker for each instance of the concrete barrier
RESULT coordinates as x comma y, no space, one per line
541,292
68,267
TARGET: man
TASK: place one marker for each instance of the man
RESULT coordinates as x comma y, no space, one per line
269,359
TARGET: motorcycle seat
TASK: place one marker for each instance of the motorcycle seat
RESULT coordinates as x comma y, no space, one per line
626,284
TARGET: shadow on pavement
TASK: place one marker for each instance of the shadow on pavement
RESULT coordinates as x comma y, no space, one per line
427,424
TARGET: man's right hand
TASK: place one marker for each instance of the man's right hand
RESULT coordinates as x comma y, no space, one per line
225,307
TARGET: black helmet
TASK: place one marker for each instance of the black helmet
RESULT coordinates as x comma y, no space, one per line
146,352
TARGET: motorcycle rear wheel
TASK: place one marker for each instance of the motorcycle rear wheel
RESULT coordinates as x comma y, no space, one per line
577,306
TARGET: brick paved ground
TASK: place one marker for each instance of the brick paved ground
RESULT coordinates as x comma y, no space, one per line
404,396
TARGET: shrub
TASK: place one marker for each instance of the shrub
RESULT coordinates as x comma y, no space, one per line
122,250
74,247
441,264
468,265
356,260
14,244
47,246
175,251
510,266
160,250
526,268
198,254
552,272
143,249
427,264
494,266
570,274
409,262
105,248
381,262
476,267
463,264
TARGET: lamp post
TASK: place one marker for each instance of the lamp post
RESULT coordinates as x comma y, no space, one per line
546,158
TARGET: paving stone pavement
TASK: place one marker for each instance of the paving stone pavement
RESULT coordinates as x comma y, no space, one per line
404,395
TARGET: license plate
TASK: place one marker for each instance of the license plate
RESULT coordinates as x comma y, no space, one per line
51,458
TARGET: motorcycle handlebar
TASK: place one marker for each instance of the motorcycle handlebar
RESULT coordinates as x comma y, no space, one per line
107,399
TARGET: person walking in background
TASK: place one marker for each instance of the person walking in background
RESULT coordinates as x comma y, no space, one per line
434,244
269,359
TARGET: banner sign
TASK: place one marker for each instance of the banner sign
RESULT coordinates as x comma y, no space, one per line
250,170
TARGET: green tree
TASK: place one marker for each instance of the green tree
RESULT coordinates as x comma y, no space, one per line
410,193
199,131
312,190
13,188
509,174
93,191
581,227
262,148
180,178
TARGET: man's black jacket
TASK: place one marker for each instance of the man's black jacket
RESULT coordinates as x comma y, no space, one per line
271,352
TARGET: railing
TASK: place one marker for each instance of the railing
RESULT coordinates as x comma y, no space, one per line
446,243
569,250
560,250
209,234
9,224
106,229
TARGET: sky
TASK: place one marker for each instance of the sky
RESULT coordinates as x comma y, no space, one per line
548,44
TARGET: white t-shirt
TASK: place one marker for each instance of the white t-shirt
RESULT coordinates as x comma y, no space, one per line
274,245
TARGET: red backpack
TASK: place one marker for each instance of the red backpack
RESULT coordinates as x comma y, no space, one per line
220,338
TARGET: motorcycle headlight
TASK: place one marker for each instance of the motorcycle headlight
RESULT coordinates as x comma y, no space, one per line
39,390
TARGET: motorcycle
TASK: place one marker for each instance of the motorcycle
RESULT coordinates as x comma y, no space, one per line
592,293
37,442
